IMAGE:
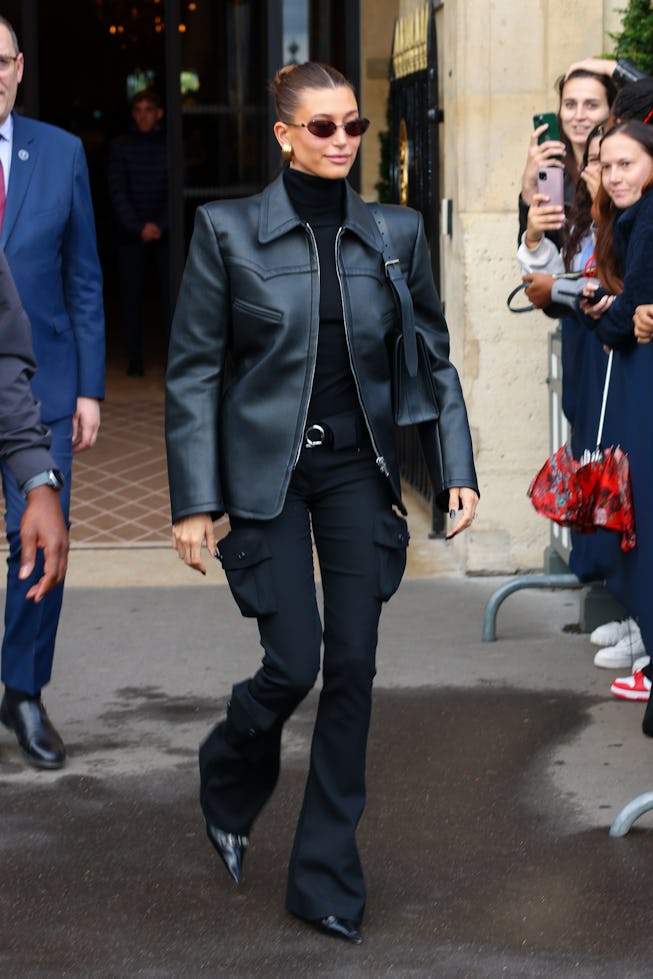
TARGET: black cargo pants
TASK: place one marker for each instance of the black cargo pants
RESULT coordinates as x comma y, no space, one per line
361,547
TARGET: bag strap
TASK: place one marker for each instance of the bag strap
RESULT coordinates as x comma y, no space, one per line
515,292
397,280
606,385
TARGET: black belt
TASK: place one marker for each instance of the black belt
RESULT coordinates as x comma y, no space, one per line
338,432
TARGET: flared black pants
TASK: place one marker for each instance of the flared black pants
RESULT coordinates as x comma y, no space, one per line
361,546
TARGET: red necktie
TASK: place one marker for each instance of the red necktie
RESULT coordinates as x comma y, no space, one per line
3,194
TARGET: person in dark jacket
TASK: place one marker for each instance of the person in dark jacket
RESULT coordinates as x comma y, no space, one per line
138,187
623,213
288,289
25,446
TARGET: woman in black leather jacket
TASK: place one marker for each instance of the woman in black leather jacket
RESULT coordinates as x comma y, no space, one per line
279,414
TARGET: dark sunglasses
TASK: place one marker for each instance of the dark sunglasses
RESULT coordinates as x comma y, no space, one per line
324,128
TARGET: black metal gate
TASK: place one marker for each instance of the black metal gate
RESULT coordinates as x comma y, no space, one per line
414,172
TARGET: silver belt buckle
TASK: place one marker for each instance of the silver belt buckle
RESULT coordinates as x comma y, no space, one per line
314,436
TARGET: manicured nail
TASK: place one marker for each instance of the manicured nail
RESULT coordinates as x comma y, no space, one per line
452,513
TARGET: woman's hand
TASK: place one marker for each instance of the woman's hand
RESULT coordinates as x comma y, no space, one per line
539,290
592,178
596,310
542,217
539,155
465,499
188,535
643,320
598,66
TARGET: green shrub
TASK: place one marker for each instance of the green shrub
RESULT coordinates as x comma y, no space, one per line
635,41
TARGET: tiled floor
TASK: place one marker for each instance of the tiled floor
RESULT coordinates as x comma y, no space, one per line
120,490
120,487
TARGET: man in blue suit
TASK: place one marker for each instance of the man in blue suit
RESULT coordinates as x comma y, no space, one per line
48,235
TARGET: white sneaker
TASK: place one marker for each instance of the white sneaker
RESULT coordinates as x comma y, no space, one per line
640,663
610,633
623,653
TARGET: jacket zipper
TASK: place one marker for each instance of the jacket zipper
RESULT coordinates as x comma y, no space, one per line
380,461
310,388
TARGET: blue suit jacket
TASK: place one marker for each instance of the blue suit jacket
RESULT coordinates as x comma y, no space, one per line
48,235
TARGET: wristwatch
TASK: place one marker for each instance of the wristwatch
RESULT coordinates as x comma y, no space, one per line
49,477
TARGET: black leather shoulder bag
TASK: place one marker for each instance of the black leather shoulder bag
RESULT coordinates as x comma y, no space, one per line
413,393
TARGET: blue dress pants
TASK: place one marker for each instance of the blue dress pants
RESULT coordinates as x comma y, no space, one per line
31,630
361,547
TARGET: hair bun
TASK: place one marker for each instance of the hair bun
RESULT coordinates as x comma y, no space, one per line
283,73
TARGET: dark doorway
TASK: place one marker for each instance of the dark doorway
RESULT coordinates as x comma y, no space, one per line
82,68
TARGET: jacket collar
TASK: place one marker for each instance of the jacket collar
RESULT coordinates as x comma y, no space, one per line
278,216
625,220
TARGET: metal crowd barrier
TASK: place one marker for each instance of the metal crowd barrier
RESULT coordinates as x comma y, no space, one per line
560,538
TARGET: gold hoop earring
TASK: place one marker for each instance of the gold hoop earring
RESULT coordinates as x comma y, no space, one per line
286,153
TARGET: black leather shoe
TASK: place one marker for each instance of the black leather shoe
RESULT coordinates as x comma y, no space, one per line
37,738
340,928
231,849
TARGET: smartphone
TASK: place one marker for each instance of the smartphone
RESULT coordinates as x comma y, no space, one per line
597,295
551,119
550,181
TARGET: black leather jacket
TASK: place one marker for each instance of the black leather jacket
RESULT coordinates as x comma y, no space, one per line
244,343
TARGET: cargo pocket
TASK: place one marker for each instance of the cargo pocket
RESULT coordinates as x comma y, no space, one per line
245,558
391,540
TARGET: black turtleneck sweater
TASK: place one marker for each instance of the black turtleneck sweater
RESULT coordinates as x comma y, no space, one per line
321,204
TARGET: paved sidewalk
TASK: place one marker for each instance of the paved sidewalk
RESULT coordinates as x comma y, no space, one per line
495,771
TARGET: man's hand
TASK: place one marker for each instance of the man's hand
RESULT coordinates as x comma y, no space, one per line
86,424
43,526
150,231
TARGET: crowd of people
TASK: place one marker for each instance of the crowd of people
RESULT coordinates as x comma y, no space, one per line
604,233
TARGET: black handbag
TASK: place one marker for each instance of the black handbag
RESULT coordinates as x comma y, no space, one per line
413,393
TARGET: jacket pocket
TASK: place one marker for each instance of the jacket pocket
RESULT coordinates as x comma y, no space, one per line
246,560
61,323
391,540
240,305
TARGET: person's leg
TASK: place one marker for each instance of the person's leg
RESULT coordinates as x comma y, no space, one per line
361,545
131,268
30,630
269,567
162,259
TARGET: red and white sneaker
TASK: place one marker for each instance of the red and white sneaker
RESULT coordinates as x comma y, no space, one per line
634,687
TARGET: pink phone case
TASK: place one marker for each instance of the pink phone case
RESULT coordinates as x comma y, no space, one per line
550,181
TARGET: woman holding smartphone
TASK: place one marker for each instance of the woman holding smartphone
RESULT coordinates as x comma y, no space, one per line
585,98
288,289
623,214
